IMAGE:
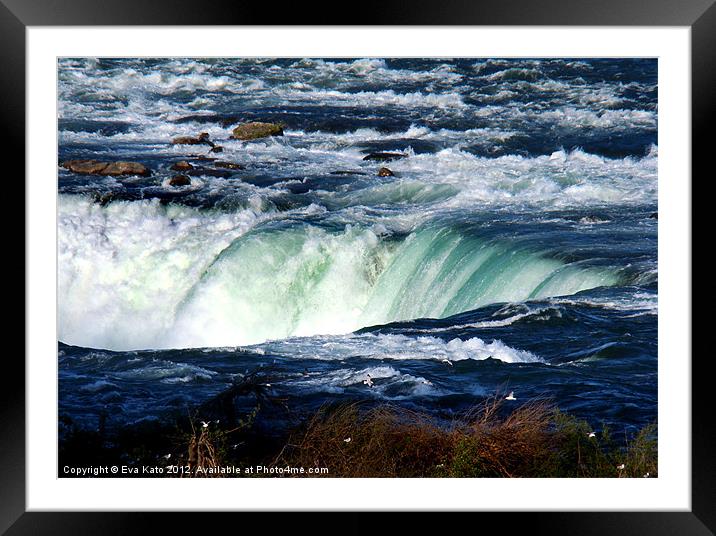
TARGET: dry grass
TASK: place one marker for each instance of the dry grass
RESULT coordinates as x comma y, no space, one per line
493,439
532,440
384,441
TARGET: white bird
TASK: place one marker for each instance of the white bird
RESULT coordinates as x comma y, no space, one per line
347,440
167,456
647,475
427,382
368,381
268,385
620,467
447,361
204,424
591,434
511,396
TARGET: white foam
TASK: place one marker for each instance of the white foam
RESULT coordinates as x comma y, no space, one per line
397,347
124,268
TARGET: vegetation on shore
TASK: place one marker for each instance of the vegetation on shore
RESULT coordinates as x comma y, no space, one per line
359,439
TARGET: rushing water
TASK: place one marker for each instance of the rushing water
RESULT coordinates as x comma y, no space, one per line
512,249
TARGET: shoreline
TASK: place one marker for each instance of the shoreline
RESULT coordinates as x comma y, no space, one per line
496,438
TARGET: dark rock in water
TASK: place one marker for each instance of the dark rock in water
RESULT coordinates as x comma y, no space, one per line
182,165
112,169
216,149
256,130
384,157
348,172
298,187
227,165
654,216
104,199
86,167
179,180
201,139
125,168
385,172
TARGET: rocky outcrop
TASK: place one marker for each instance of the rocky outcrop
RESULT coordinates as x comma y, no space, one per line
182,165
112,169
201,139
385,172
256,130
179,180
654,216
227,165
384,157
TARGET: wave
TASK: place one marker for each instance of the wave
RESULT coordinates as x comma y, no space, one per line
564,178
141,275
395,347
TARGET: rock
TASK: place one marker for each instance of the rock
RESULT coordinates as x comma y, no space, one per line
201,139
182,165
216,149
654,216
116,169
256,130
113,169
227,165
385,172
103,199
85,167
179,180
384,157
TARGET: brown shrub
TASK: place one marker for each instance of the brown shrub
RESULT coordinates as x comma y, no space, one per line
532,440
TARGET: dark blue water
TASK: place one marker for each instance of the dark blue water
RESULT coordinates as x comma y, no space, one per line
512,249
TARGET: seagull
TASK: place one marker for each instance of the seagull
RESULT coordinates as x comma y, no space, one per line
167,456
368,381
647,475
511,396
620,467
446,360
347,440
204,424
591,434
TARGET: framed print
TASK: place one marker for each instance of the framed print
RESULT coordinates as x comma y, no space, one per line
269,265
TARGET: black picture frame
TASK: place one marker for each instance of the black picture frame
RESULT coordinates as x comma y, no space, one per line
17,15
